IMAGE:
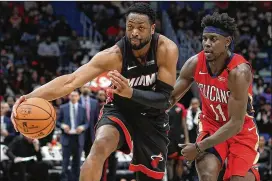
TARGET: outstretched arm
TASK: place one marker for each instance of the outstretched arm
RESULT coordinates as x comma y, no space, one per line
238,82
63,85
103,61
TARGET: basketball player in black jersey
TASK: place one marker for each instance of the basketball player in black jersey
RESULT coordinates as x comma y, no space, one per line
142,68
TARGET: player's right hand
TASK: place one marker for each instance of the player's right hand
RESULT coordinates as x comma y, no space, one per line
14,114
66,128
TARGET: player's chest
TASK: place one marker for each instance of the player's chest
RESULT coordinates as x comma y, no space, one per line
141,74
214,89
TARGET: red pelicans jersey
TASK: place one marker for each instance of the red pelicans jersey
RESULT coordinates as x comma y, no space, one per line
214,89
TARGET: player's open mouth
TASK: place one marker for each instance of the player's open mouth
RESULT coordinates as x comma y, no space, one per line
207,52
134,40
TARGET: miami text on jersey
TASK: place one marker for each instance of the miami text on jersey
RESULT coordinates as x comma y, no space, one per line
143,80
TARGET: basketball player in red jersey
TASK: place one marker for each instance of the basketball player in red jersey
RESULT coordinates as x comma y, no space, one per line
142,67
227,131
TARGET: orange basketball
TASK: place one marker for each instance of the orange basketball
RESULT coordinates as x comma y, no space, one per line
36,118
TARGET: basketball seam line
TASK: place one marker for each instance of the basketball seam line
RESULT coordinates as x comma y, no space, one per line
39,130
52,127
38,107
51,111
50,108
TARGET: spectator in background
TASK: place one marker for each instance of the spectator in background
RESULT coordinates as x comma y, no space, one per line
7,130
11,102
48,49
264,163
33,80
28,5
73,122
46,8
49,53
57,103
267,94
258,88
101,97
178,134
30,29
15,19
28,148
62,28
263,119
192,119
92,111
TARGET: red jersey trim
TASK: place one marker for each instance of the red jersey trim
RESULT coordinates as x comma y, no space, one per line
147,171
184,112
126,132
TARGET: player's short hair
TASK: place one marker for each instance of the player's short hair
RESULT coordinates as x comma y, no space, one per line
143,8
222,21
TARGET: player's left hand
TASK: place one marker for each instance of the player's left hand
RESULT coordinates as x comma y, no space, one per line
122,87
189,151
79,129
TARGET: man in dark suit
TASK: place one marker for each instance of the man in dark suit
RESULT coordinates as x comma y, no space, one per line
7,131
73,122
92,111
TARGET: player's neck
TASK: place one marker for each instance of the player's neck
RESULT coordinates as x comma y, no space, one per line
217,65
139,54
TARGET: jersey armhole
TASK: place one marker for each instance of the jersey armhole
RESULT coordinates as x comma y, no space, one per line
198,64
121,45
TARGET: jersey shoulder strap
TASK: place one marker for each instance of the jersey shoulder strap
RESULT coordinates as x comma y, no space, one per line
237,60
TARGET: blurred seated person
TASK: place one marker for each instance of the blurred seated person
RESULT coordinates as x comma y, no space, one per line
6,130
11,102
264,163
21,148
49,53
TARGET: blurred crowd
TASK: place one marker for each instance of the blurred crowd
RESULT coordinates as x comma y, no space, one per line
37,46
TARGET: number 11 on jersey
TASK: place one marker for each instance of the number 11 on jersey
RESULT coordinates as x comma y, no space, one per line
219,109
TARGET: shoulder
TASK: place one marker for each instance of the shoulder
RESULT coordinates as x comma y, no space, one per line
165,45
112,51
80,106
93,100
241,72
109,58
238,56
240,78
188,69
63,106
192,61
167,51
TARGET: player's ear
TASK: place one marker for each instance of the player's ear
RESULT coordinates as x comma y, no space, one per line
228,41
153,27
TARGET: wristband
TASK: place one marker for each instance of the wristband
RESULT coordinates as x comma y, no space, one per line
197,148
